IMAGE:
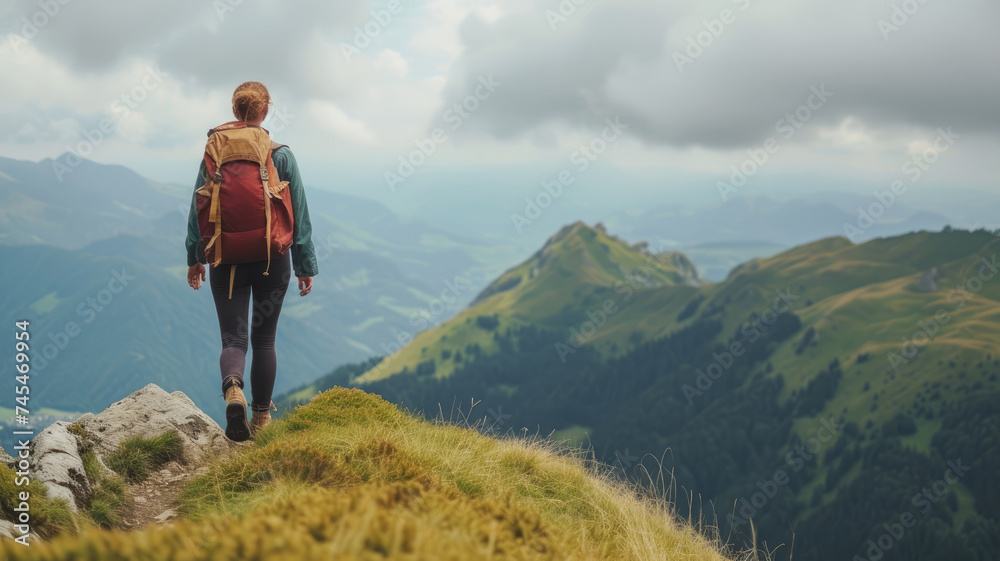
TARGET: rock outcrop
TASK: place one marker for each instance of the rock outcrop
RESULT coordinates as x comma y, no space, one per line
150,411
6,459
929,281
55,453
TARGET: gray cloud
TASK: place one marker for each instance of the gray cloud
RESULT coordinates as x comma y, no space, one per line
939,69
215,43
28,123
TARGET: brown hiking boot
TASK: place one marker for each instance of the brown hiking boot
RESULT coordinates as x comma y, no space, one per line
237,428
260,419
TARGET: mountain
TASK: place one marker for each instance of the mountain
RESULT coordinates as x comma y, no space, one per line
348,476
720,236
93,203
834,385
100,323
572,271
64,235
43,204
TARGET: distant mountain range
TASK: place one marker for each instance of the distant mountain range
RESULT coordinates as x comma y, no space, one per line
64,240
824,387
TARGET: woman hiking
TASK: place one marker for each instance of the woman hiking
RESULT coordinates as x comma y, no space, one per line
248,210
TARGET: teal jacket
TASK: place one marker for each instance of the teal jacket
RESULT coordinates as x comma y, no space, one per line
303,253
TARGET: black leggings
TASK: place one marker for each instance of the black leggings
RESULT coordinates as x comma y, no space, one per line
267,295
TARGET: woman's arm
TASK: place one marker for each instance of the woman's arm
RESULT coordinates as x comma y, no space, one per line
303,253
195,253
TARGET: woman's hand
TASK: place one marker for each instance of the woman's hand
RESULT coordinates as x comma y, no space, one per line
305,285
196,274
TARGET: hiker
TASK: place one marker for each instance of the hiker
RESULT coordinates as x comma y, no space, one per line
248,210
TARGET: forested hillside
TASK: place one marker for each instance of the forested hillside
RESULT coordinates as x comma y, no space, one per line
833,384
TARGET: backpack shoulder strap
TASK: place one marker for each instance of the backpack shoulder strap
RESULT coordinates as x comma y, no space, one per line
275,146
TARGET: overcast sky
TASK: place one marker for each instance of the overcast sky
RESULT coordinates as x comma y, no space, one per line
694,85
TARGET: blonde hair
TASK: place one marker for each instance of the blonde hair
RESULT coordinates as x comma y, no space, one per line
250,101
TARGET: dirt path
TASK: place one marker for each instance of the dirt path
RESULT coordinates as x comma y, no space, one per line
155,500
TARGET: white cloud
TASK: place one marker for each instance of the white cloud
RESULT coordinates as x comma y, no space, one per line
608,59
328,116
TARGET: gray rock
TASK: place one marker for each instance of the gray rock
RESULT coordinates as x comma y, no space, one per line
55,452
151,411
7,530
165,515
6,459
56,459
929,281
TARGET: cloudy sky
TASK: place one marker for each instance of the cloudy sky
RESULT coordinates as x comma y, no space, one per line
356,85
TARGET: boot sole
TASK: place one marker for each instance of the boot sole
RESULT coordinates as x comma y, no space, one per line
237,428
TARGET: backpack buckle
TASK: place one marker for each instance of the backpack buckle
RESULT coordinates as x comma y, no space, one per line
267,184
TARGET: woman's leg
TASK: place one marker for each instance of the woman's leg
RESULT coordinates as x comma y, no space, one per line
232,314
268,295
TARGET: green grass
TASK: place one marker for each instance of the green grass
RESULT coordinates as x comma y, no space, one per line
576,435
49,517
110,497
45,304
349,476
137,457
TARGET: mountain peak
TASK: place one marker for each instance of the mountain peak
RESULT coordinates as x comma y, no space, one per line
589,255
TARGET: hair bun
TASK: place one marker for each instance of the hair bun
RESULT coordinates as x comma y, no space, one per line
250,101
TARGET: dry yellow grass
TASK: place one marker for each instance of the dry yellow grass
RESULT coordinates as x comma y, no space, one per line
349,476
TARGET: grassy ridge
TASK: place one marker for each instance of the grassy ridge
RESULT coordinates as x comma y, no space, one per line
571,274
875,346
861,301
349,476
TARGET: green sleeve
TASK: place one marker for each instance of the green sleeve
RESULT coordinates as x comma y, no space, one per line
303,253
195,252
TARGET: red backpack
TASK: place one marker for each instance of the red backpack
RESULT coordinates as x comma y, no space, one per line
244,211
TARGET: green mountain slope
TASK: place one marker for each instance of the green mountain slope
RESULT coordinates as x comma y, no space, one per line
873,356
576,269
100,324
